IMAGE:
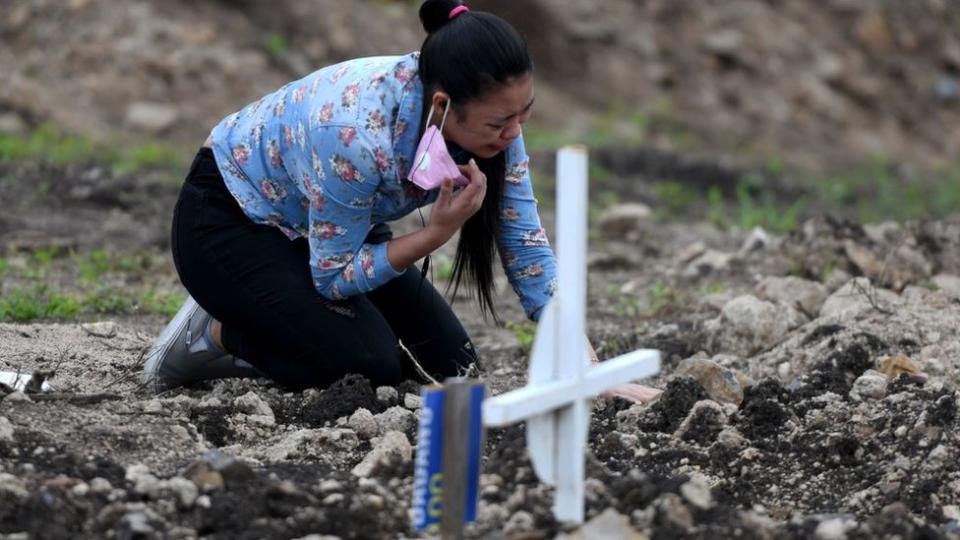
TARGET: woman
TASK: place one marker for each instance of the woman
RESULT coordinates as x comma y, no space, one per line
279,233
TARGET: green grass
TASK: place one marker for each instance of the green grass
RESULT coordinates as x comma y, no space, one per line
276,45
49,144
43,302
525,332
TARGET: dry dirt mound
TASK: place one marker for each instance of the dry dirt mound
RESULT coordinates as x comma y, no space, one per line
793,409
812,81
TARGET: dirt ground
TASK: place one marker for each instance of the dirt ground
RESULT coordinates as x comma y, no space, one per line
793,403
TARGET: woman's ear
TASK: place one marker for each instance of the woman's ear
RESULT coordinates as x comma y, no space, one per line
439,101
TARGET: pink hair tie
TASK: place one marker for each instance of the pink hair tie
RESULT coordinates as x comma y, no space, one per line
457,10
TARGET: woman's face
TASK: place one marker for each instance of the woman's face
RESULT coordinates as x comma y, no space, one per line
487,126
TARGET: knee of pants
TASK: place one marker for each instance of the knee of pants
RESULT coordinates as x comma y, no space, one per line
377,362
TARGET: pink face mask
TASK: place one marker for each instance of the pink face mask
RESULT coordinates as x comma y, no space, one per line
432,162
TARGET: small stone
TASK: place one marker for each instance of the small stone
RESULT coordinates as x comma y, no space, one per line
697,492
625,221
711,261
412,401
392,447
951,511
871,385
896,366
704,422
396,419
185,490
720,383
102,329
807,296
152,406
252,404
520,522
80,490
17,397
834,529
151,117
330,486
731,439
143,482
758,239
135,525
387,395
363,422
13,487
607,524
333,499
100,486
6,430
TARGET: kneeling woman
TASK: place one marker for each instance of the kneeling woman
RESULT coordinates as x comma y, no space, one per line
280,233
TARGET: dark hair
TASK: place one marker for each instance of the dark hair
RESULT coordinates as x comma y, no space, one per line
466,57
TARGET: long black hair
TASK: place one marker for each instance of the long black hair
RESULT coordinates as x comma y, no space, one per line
467,57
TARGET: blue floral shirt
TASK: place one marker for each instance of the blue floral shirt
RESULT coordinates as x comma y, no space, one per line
327,157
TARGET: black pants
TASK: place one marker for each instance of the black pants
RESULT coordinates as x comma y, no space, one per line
257,282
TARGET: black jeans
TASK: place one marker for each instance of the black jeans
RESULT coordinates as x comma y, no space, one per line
257,283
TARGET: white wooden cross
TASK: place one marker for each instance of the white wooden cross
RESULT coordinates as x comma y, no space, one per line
556,401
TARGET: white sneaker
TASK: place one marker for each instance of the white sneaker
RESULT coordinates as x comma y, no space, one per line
180,355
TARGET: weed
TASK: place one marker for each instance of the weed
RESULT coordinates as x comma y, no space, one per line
661,296
22,305
42,257
161,303
674,197
276,44
524,332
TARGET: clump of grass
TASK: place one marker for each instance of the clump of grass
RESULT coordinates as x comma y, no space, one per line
49,144
525,332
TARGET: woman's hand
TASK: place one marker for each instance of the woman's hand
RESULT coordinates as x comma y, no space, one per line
636,393
451,211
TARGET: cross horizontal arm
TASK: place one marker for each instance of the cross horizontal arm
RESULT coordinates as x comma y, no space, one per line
531,401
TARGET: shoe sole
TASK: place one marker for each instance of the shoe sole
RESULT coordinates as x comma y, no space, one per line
163,344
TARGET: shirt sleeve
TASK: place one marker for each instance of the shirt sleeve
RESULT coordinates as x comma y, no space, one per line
525,251
342,182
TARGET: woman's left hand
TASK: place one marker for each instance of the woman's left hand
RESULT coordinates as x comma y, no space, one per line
636,393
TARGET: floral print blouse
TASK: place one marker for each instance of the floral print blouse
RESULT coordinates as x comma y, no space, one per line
327,157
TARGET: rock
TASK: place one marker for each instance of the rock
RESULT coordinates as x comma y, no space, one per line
387,395
758,239
363,422
185,490
710,261
100,486
720,383
871,385
947,90
520,522
6,430
747,325
838,278
15,398
807,296
691,252
731,439
724,41
895,366
12,124
863,258
834,528
391,448
151,117
102,329
396,419
703,423
252,404
949,284
856,297
607,524
13,487
697,492
143,482
135,525
672,511
412,401
625,221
